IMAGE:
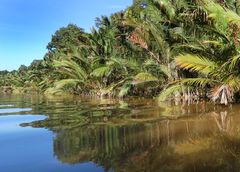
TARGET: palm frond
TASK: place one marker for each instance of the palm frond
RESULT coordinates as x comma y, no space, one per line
187,46
233,62
71,68
202,82
170,91
196,63
144,77
53,91
221,16
223,93
166,70
232,81
101,71
124,90
67,82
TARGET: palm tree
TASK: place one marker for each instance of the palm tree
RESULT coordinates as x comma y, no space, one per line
74,71
214,57
218,79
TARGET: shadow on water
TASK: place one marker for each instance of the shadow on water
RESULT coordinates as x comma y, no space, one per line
140,134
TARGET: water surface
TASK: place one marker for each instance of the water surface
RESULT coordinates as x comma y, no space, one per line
132,135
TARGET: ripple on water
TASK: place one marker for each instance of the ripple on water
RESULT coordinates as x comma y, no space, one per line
4,106
14,110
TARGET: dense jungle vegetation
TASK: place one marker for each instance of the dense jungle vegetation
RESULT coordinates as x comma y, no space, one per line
181,49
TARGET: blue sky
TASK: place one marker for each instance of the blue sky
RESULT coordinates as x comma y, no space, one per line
26,26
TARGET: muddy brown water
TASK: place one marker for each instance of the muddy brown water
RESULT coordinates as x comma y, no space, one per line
109,135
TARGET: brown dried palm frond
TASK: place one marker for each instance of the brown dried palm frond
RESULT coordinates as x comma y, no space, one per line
223,93
137,39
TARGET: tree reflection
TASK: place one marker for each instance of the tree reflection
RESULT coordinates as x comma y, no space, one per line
143,136
131,147
222,120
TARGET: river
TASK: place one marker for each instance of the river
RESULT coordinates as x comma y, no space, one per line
72,134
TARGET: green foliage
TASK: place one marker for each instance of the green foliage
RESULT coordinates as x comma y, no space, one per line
101,72
144,77
71,35
196,63
155,46
125,90
170,91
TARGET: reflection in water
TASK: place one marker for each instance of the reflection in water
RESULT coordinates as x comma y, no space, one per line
185,145
4,106
141,134
222,120
14,110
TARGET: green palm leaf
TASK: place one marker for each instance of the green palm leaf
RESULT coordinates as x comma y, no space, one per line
196,63
144,78
68,82
202,82
169,91
71,68
233,61
101,71
125,89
